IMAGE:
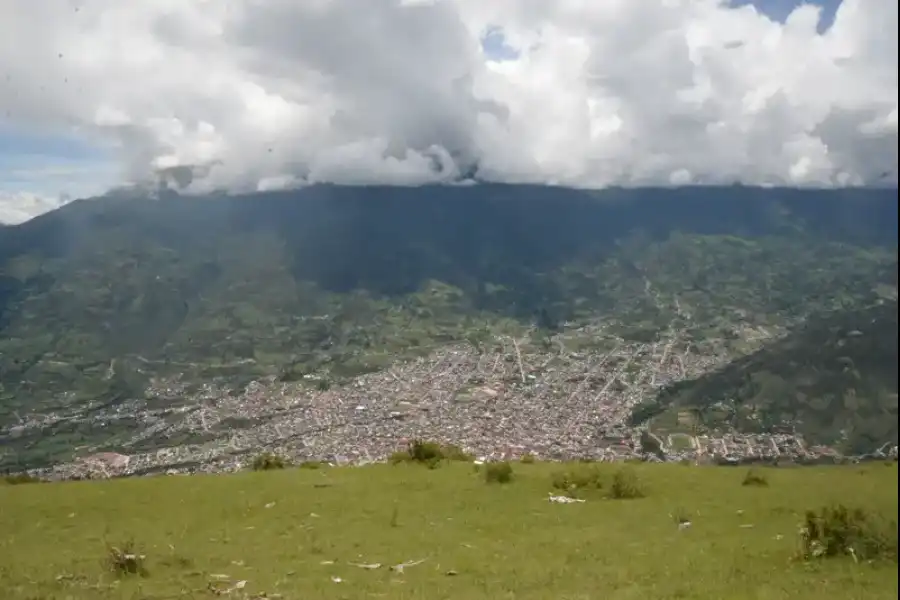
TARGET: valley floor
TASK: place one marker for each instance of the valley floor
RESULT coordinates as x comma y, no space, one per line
319,533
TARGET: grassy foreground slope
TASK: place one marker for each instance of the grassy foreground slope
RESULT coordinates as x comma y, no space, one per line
296,534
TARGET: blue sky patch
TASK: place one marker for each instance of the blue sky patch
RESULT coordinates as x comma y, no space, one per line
778,10
495,47
18,141
48,165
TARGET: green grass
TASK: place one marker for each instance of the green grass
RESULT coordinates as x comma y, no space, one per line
290,531
680,442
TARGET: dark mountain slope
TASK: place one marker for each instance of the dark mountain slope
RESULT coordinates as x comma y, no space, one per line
329,232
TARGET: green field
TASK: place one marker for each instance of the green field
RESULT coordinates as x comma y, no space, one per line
288,533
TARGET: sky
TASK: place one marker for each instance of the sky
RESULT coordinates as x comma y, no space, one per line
245,95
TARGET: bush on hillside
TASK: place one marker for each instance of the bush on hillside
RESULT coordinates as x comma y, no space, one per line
626,485
269,462
399,457
429,454
528,459
455,453
840,531
425,452
577,479
20,478
124,560
756,478
498,472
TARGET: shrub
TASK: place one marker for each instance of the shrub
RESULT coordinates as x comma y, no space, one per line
311,465
755,478
20,478
499,472
429,454
268,462
398,457
425,452
839,531
125,560
527,459
455,453
626,485
576,479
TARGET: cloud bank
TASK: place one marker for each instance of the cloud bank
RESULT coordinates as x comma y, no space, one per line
262,94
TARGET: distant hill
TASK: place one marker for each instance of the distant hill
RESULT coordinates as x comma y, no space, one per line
835,376
102,295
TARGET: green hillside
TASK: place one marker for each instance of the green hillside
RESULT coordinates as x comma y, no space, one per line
340,532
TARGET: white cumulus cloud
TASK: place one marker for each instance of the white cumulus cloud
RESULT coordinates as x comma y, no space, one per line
261,94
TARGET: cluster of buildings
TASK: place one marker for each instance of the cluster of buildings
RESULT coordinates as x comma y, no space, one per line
500,402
